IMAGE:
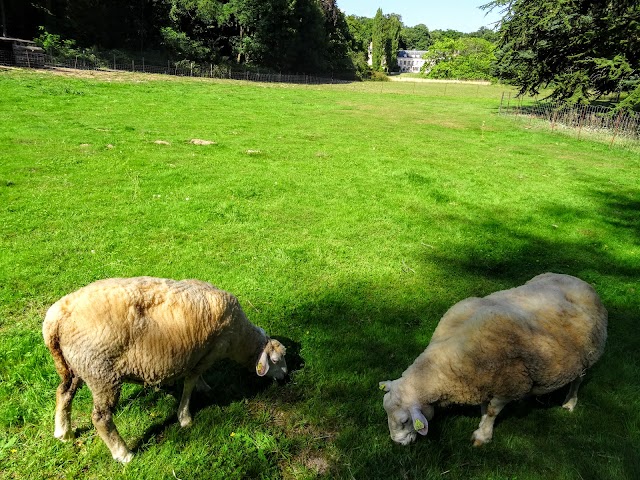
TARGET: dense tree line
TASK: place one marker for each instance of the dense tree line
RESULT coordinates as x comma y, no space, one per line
304,36
581,49
310,36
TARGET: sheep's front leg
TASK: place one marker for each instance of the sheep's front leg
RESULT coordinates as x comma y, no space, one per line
104,401
572,397
490,411
64,397
184,415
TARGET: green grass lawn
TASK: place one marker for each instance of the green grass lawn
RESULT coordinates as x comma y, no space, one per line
346,219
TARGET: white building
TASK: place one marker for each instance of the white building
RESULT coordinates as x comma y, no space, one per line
411,60
408,60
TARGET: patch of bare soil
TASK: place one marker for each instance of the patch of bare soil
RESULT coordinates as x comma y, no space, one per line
199,141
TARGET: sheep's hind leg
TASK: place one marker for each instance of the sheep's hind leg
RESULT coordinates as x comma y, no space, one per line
184,415
572,397
104,401
64,397
202,386
490,411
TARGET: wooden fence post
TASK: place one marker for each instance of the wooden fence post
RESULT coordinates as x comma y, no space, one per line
580,115
615,128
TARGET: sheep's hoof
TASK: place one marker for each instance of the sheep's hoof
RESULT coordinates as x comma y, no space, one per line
126,458
570,405
63,436
478,441
185,422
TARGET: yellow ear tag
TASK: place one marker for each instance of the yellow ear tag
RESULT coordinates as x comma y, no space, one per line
418,425
382,386
260,368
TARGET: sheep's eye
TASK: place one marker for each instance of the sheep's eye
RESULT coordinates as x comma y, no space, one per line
403,420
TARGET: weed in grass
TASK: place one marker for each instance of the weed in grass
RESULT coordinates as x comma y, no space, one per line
361,215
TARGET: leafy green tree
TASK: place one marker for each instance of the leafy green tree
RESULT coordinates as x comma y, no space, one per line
582,49
309,45
55,45
486,33
438,35
192,30
360,31
264,36
465,58
339,40
415,38
179,45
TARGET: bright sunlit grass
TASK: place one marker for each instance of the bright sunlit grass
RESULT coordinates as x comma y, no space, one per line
346,219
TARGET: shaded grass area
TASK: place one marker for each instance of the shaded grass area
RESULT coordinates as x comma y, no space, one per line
347,219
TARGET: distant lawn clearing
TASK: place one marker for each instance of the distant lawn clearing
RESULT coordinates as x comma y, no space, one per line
347,219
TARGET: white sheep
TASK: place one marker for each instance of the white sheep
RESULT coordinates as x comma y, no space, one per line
528,340
151,331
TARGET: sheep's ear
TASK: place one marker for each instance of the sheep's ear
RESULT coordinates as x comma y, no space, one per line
262,367
385,386
420,423
277,350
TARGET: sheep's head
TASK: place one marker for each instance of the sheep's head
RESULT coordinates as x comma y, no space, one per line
404,421
271,361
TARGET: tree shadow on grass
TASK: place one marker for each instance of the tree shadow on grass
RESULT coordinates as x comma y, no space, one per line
229,383
516,256
385,344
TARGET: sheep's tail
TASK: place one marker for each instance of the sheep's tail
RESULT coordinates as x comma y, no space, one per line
50,332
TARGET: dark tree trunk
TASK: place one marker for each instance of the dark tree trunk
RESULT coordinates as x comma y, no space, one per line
3,19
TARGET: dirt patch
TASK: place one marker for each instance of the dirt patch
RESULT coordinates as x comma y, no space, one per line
316,463
198,141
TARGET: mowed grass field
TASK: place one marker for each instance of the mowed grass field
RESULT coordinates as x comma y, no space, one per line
347,219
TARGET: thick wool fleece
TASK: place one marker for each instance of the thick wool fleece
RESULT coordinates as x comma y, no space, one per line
532,339
147,330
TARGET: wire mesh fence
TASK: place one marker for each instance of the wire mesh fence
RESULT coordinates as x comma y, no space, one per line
582,118
181,68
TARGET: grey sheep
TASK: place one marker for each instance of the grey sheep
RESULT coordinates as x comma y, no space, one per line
152,331
528,340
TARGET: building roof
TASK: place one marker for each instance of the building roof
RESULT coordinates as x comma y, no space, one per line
411,53
13,40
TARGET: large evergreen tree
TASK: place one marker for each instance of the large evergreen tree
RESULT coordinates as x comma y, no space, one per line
392,29
580,48
378,40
